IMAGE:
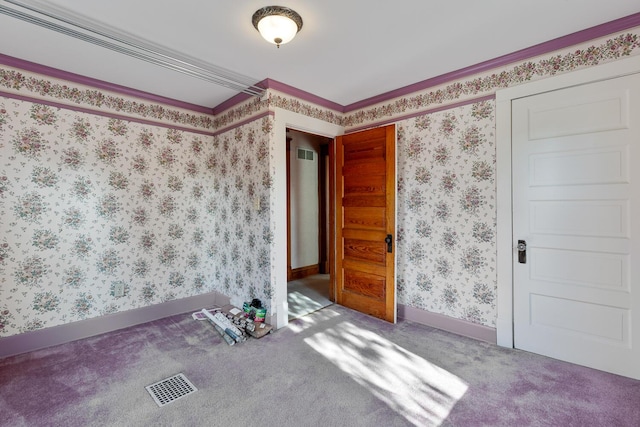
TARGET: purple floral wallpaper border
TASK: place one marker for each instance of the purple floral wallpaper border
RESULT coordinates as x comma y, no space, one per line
109,115
22,82
275,99
626,44
304,108
252,106
42,88
568,60
610,49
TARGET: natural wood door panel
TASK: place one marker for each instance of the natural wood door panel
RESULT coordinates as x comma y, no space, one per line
365,213
364,305
364,250
370,167
356,265
365,185
368,285
367,218
360,201
365,150
374,235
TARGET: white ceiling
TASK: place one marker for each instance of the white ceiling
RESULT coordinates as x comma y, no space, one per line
347,50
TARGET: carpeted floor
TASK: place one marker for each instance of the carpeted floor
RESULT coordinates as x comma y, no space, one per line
334,367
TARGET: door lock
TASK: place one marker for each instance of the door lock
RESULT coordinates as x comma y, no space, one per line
522,251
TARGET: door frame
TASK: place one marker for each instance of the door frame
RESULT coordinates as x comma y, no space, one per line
284,119
506,245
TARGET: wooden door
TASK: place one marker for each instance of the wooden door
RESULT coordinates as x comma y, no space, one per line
365,221
576,205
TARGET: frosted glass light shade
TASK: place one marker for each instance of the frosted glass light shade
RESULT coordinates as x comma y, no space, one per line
277,29
277,24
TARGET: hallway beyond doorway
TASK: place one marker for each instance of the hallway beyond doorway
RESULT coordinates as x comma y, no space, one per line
307,295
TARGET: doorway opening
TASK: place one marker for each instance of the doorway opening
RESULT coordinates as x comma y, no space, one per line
309,195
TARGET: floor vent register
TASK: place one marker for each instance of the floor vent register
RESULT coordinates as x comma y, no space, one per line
170,389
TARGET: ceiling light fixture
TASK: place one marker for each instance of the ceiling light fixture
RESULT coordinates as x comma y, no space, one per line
277,24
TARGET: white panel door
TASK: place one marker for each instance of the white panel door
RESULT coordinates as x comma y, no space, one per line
576,204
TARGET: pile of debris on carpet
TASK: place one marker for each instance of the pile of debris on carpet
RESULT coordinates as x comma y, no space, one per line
235,325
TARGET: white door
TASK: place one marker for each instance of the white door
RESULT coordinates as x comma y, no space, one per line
576,204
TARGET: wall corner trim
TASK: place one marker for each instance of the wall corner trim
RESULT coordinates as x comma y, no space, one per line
449,324
283,88
56,335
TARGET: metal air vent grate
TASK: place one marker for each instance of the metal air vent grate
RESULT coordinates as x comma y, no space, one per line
305,154
170,389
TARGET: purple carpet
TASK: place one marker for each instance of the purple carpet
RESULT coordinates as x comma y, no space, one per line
334,367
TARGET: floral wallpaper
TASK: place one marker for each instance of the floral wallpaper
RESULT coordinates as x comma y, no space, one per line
241,203
447,213
90,204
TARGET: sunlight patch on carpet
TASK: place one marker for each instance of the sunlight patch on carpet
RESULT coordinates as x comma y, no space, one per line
303,323
420,391
170,389
301,305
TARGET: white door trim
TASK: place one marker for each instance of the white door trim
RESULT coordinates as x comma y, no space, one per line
505,239
284,119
